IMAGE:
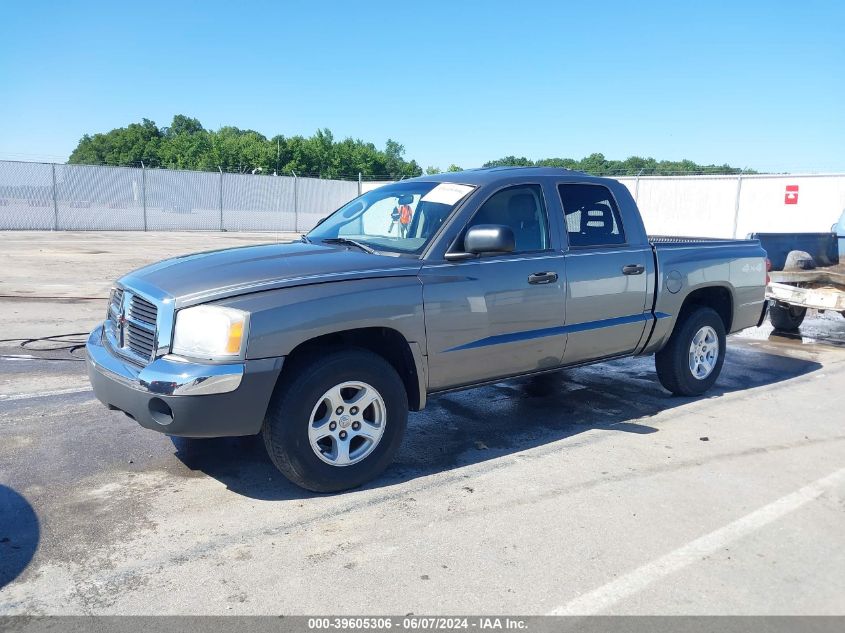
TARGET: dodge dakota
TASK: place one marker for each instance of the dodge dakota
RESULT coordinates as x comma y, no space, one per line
419,287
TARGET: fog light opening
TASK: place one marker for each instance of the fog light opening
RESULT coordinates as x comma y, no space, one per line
161,411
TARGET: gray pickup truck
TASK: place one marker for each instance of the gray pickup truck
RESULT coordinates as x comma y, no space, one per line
419,287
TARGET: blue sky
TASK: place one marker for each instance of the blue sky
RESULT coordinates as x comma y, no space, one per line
754,84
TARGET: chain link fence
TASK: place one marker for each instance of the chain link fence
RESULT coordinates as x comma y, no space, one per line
96,198
45,196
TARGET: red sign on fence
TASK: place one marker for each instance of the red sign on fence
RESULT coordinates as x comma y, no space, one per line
791,196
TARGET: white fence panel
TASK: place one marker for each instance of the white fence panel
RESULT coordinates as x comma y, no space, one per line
374,184
98,198
762,207
259,203
688,205
26,196
182,200
318,198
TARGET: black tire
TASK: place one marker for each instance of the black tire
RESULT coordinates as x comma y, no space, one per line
785,317
302,385
673,362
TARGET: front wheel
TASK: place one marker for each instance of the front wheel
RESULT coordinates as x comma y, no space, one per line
336,420
785,317
692,359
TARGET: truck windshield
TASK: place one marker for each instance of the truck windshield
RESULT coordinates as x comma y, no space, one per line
401,217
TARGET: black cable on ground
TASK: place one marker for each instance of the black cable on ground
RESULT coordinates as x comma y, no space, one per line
69,346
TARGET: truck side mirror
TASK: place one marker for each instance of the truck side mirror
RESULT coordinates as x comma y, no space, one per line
489,238
485,239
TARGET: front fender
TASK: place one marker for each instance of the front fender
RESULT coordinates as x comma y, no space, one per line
282,319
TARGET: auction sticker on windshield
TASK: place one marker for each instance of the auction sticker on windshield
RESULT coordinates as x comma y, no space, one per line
447,193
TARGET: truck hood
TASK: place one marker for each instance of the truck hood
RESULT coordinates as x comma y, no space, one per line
212,275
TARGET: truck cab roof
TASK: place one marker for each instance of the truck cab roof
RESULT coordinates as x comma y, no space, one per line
491,175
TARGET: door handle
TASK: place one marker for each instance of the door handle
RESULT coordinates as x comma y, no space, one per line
633,269
542,278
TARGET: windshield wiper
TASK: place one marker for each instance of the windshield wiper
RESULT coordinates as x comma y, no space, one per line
303,238
346,240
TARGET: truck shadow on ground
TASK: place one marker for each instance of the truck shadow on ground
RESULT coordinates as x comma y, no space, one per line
20,533
473,426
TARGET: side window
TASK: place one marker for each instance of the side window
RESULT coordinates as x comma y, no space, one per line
521,208
592,218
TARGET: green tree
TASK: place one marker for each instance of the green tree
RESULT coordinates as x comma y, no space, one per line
183,125
599,165
395,164
129,145
510,161
186,144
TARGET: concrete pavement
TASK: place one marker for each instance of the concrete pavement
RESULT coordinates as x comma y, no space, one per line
591,491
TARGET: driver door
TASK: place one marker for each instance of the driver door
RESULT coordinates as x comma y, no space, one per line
497,315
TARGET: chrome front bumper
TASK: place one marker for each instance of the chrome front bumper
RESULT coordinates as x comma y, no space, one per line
173,396
168,376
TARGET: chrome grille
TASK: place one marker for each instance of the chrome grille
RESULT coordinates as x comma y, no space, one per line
133,324
140,340
142,310
140,326
115,303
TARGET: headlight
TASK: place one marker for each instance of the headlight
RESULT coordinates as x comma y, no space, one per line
212,332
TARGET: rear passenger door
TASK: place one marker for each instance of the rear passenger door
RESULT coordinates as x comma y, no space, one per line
606,290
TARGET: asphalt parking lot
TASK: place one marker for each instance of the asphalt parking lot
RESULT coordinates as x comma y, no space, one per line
590,491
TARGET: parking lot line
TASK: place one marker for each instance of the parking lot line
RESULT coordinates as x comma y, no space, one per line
604,597
41,394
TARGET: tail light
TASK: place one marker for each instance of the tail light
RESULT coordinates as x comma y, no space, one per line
768,268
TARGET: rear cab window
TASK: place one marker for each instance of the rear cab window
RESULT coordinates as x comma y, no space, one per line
592,217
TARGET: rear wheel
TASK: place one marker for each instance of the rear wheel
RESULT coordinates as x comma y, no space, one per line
336,420
692,359
785,317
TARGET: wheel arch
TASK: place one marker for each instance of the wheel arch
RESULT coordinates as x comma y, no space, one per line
404,356
717,297
672,311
